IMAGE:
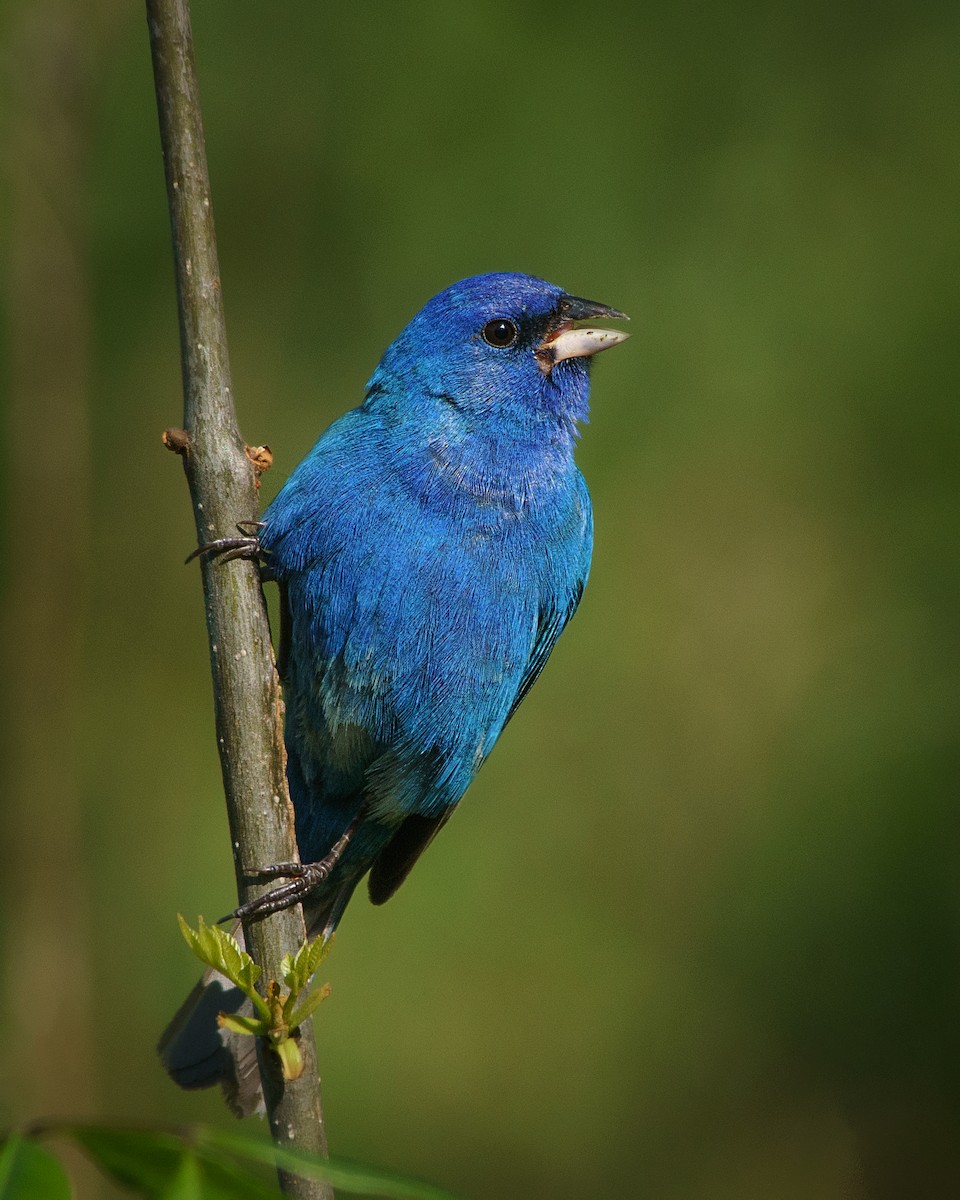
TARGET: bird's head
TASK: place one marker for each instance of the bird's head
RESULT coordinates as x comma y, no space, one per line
507,346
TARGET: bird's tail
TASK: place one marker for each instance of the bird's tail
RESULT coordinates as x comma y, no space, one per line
197,1052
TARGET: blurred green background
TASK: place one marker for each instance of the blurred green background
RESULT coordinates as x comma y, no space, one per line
695,933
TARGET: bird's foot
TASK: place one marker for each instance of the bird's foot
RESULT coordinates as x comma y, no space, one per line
229,548
303,879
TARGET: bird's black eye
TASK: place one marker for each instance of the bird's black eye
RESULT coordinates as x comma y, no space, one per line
500,333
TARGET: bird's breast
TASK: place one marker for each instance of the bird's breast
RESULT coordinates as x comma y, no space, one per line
502,475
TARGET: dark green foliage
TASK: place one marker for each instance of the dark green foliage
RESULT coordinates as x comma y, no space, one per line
188,1164
30,1172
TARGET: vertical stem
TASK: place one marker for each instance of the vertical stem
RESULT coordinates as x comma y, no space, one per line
247,700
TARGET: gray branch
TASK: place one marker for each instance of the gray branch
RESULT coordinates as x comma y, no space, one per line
247,701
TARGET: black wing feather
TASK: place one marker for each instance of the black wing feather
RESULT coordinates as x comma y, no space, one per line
394,863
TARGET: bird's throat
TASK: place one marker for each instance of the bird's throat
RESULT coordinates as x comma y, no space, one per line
489,471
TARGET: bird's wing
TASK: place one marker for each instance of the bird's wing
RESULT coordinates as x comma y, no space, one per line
571,562
553,620
283,641
395,863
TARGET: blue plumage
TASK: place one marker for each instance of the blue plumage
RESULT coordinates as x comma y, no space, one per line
430,550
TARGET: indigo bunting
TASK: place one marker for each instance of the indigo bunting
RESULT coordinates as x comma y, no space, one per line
429,550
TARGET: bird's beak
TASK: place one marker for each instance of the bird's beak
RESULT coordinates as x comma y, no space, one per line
567,340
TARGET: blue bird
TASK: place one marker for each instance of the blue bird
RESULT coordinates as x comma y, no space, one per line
429,550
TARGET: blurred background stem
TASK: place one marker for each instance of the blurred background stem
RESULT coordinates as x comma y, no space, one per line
47,97
46,554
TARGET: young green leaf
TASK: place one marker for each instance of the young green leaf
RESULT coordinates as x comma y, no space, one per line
254,1026
306,1008
298,971
219,949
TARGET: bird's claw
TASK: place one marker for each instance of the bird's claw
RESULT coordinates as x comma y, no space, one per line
303,878
289,870
229,548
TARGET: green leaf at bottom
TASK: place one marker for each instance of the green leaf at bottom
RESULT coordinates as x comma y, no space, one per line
28,1172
